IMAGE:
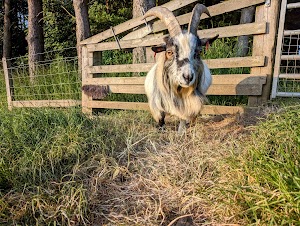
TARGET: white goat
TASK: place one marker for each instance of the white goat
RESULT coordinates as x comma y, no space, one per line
178,82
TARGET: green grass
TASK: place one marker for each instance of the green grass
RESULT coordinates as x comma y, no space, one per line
226,48
60,167
47,156
266,174
58,79
3,100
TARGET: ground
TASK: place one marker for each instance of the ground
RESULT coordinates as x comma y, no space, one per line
63,168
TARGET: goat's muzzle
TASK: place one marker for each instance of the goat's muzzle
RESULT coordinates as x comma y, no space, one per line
188,78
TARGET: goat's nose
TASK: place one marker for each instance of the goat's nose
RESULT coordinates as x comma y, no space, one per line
187,77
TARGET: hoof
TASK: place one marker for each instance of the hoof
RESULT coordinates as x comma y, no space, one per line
161,129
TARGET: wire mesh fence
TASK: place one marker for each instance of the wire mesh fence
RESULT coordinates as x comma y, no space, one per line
54,78
289,79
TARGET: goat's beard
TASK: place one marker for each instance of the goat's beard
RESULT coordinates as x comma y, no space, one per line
184,91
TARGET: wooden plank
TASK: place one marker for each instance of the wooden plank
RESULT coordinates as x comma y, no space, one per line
288,94
290,76
222,84
207,109
257,61
228,79
237,89
131,89
265,45
119,105
276,71
228,31
290,32
86,61
8,83
215,89
115,81
120,68
218,9
293,5
46,103
172,5
290,57
245,79
235,30
150,58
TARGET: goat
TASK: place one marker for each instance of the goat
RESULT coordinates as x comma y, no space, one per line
178,82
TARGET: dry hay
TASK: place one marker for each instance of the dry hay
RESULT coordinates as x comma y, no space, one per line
165,179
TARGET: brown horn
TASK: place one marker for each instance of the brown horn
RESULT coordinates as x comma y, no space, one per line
195,17
167,17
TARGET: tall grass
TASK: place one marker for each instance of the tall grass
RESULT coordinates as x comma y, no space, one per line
226,48
47,159
56,79
3,100
60,167
266,175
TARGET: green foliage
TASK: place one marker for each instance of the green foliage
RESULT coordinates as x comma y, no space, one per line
59,27
102,18
225,48
18,15
60,24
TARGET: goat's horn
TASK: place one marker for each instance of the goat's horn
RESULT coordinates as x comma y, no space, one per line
195,17
167,17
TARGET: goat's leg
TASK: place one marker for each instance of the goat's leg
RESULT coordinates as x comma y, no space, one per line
161,121
182,127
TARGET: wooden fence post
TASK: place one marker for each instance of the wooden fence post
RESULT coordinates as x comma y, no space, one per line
265,45
8,82
86,61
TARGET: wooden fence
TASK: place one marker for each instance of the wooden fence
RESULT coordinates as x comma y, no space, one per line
256,85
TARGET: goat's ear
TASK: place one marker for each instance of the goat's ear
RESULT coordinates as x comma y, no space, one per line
208,41
158,49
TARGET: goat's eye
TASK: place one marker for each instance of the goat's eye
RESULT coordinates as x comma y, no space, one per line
169,53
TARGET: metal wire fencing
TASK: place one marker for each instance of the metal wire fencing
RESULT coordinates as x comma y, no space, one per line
55,78
289,79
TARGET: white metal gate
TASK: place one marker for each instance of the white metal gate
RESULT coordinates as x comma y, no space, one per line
286,76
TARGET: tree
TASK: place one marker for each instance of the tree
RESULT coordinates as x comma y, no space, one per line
58,15
138,9
7,30
35,36
82,25
243,41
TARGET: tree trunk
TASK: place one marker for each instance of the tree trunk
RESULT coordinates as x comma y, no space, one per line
82,26
7,30
140,7
35,36
243,41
